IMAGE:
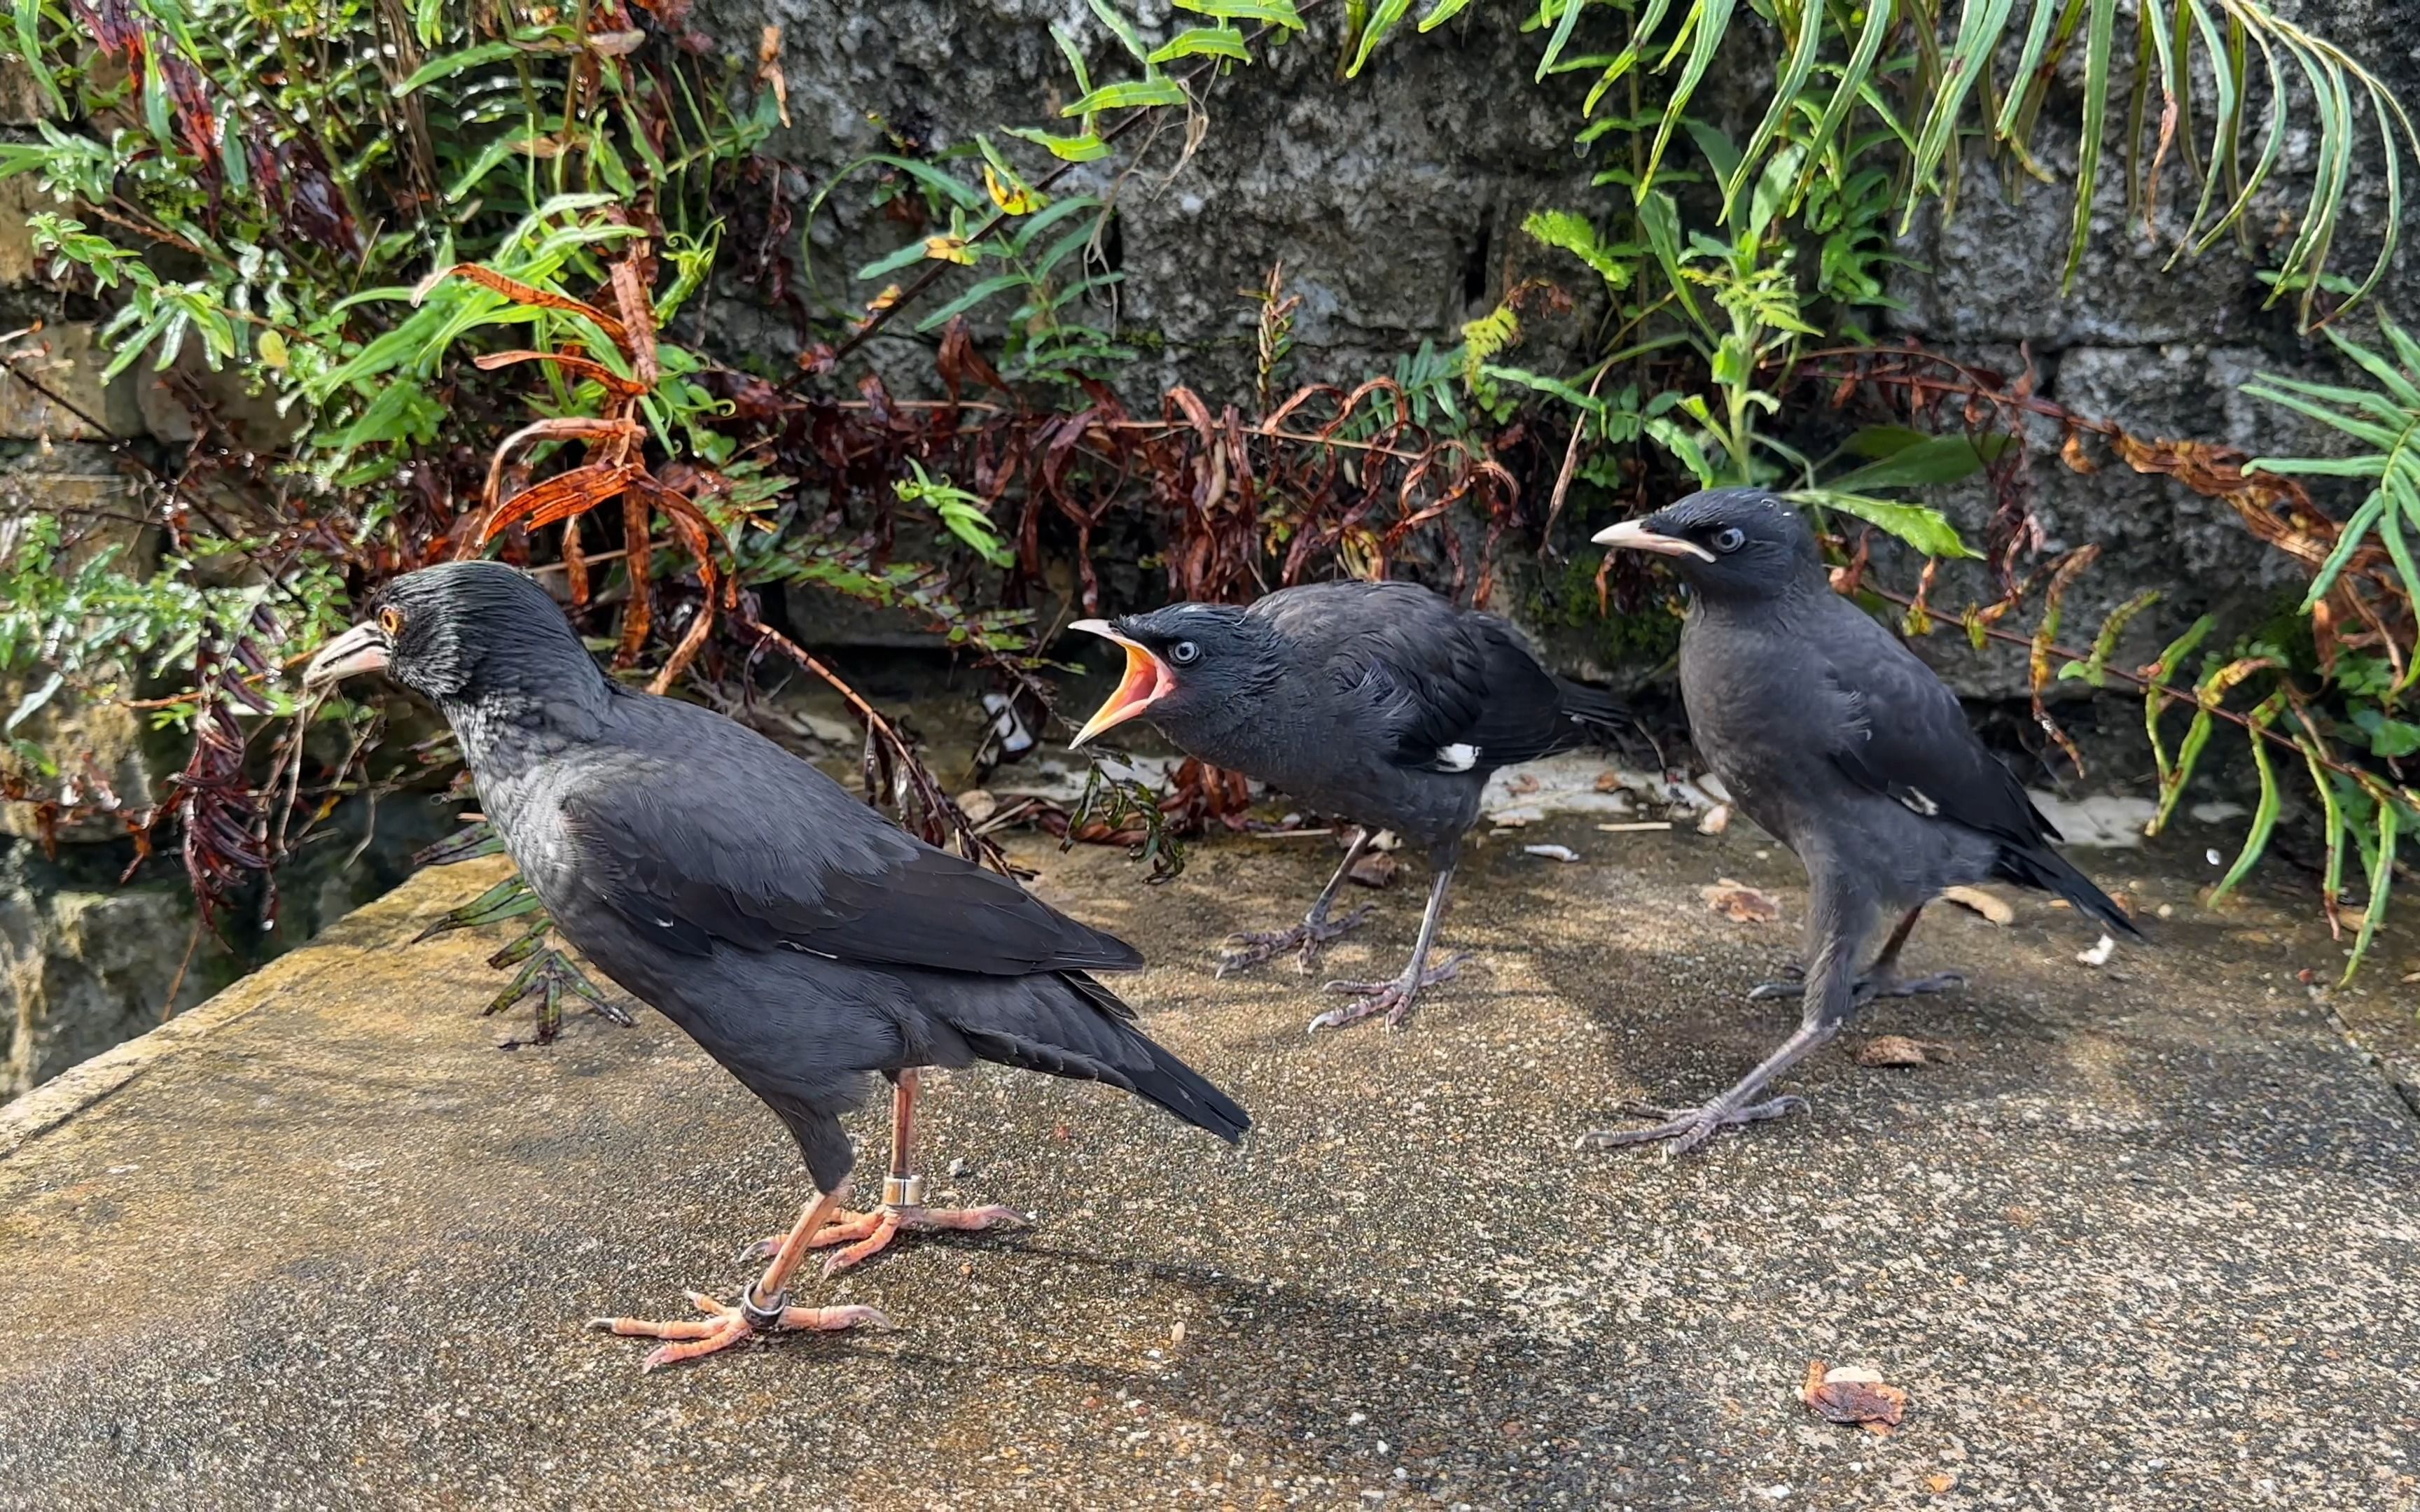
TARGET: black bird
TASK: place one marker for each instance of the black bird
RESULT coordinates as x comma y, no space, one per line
796,935
1380,702
1837,740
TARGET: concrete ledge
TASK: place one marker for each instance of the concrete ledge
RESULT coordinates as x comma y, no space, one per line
2144,1239
372,927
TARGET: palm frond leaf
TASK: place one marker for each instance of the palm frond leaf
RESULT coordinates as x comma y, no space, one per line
1949,98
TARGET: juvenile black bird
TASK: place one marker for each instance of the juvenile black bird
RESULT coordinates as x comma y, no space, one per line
1380,702
798,936
1837,740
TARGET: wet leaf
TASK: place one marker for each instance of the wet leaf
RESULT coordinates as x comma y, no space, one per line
1377,869
1852,1394
521,293
508,899
1741,904
561,497
465,844
1899,1050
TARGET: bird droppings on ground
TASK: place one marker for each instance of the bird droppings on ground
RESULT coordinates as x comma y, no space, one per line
2099,954
1551,853
2137,1246
1741,904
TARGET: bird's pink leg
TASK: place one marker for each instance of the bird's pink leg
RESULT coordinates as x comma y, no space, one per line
868,1234
762,1308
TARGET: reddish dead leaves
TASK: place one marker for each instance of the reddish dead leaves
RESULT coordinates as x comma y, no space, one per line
2367,608
616,467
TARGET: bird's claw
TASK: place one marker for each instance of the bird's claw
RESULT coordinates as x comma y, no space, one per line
1940,981
868,1234
1867,988
1245,950
1688,1128
728,1323
1391,1000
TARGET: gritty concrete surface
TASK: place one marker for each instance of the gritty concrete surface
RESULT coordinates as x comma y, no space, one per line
2145,1239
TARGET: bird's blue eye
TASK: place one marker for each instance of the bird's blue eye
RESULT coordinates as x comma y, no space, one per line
1730,539
1185,652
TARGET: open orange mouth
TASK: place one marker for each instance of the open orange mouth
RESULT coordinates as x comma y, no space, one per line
1147,680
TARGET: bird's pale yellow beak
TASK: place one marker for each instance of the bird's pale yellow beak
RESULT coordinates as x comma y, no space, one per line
1635,534
1147,680
362,649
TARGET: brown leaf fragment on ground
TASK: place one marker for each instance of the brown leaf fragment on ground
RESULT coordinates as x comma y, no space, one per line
1375,870
1899,1050
1854,1394
1741,904
1976,899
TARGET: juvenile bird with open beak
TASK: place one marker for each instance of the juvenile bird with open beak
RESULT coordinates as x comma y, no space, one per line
1380,702
796,935
1835,739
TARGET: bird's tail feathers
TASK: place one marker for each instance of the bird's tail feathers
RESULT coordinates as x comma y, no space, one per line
1598,714
2041,868
1108,1048
1189,1094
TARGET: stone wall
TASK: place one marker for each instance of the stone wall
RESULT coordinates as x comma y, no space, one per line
1394,201
86,962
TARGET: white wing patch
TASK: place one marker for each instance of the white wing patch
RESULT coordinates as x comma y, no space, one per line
1918,802
1458,757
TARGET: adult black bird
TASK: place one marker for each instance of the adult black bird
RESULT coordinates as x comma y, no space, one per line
796,935
1838,741
1380,702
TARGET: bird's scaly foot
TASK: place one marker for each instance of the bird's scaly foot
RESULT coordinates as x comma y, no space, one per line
1393,999
1867,988
727,1324
868,1234
1688,1128
1244,952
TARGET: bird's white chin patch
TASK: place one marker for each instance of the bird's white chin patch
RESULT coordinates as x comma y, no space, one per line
362,649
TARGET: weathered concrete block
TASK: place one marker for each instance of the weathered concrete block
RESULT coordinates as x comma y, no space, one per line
22,100
252,418
82,970
67,359
105,744
20,197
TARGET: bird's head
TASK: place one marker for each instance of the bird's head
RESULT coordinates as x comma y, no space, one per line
1736,543
459,633
1183,663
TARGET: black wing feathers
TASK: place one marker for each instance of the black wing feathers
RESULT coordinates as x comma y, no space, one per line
1436,678
1906,738
743,845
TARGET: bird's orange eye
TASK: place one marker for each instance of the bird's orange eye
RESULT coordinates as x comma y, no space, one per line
391,621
